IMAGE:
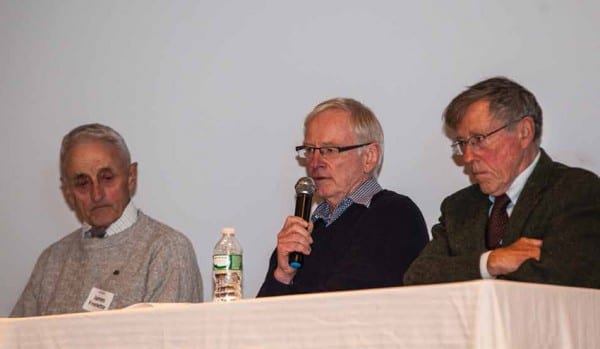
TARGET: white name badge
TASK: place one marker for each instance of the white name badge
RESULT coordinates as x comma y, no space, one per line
98,300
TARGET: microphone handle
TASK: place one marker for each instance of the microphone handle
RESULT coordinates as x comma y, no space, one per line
303,203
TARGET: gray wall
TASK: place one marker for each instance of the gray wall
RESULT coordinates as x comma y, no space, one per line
211,96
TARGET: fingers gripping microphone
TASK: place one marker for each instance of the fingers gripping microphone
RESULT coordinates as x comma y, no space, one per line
305,188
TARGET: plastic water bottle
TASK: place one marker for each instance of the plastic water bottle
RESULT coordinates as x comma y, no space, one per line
227,268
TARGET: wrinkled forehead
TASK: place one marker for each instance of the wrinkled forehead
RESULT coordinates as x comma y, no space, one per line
90,155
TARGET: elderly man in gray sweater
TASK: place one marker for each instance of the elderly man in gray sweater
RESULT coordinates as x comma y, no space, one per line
119,256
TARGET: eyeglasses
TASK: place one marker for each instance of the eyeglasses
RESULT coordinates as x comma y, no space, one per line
307,152
477,141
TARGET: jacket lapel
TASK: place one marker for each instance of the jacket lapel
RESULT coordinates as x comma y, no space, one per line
474,222
529,198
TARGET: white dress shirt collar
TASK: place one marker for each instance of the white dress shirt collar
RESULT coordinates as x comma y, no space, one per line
127,219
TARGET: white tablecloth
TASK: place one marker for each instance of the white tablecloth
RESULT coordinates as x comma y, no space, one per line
478,314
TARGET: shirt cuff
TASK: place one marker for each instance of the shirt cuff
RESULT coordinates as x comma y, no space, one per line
483,270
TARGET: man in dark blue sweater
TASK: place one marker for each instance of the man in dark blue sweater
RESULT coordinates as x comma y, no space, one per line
360,235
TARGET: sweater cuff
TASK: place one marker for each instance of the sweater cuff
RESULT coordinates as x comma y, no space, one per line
272,287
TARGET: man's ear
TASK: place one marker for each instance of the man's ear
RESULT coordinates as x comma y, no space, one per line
371,152
526,131
132,179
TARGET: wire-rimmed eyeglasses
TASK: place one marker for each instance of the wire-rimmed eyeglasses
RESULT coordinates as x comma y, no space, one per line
328,152
477,141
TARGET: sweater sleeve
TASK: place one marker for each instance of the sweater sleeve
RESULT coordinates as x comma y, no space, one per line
272,287
27,305
173,274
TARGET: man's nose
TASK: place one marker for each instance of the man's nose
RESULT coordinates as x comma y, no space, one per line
468,155
97,192
316,160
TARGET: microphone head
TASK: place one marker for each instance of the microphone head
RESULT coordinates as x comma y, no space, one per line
305,185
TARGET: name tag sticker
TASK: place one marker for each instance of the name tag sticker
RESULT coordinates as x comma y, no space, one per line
98,300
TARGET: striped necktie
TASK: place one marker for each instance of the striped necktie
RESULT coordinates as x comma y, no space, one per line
498,222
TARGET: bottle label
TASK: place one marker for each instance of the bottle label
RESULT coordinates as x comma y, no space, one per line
227,262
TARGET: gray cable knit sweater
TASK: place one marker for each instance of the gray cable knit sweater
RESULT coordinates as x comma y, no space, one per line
148,262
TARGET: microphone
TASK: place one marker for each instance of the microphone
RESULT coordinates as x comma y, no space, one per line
305,188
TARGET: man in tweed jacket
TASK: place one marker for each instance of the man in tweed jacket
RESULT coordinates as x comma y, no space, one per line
553,233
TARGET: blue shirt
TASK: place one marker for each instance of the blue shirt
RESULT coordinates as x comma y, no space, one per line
362,196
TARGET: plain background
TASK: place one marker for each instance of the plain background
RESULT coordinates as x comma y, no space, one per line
211,96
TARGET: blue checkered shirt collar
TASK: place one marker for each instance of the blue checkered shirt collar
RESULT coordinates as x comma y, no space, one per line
362,196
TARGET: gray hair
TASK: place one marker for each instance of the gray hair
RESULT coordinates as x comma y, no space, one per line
508,101
365,125
93,132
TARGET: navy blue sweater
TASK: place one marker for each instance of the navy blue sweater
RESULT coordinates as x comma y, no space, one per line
364,248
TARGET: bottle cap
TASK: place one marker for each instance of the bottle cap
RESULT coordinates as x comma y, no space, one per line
228,231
